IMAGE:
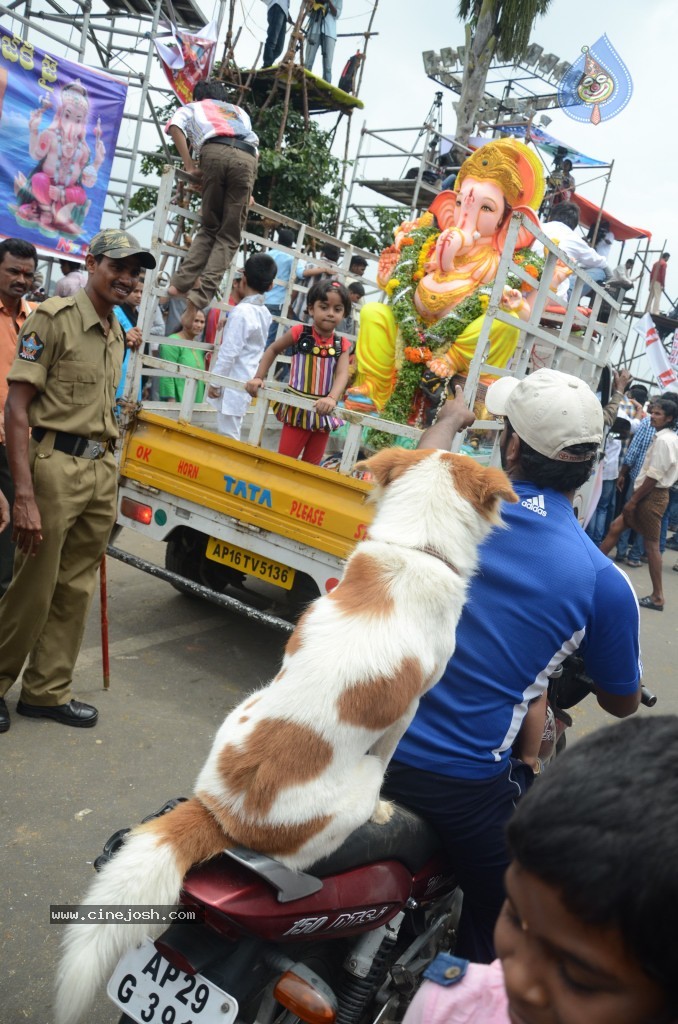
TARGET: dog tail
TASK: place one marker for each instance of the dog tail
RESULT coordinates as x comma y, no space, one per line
147,870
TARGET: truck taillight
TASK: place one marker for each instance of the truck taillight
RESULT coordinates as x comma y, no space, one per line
136,511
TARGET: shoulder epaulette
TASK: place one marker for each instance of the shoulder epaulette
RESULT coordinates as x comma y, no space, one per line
50,307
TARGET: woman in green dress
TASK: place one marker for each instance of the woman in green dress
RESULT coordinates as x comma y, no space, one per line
171,389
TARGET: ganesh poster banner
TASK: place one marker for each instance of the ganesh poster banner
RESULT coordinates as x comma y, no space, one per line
59,124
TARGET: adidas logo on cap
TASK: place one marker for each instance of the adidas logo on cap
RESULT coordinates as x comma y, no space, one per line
535,504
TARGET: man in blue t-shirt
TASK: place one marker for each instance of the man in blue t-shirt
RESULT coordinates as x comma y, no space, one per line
542,591
275,296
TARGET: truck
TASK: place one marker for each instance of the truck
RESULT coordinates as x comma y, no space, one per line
234,512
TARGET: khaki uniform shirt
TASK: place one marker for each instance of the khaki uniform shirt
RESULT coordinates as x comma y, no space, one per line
65,354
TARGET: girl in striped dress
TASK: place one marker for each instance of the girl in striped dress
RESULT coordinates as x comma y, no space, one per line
319,369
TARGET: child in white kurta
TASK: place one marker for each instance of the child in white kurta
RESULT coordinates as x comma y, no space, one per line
243,344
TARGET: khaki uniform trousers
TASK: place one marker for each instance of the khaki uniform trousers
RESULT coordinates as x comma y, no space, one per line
228,177
43,613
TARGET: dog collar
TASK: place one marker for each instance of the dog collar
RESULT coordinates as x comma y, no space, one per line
436,554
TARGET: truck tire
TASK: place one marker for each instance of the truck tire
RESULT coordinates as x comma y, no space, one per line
184,552
185,555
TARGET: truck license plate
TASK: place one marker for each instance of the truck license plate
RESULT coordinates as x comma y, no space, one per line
247,562
149,988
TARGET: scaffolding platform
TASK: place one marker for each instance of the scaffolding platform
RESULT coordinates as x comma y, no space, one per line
323,97
402,190
666,325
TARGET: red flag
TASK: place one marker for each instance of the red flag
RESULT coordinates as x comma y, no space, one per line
188,58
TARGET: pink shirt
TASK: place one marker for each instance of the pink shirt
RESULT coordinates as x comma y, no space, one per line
479,998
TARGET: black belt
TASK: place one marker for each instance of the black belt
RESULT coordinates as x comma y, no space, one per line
226,140
71,444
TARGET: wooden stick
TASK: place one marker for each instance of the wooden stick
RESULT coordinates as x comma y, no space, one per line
103,605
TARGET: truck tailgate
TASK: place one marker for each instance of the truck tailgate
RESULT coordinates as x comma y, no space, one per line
305,503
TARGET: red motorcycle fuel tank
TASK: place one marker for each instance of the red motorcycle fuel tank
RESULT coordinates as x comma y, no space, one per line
235,899
433,880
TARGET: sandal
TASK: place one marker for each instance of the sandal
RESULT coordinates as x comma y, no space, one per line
647,602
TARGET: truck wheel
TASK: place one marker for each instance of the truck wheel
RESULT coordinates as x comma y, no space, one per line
184,552
185,555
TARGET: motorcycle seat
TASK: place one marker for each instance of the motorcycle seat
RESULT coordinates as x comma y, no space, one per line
406,838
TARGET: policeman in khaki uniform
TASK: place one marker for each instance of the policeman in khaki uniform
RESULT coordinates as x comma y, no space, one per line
62,385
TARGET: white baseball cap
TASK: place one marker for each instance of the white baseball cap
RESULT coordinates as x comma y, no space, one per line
550,411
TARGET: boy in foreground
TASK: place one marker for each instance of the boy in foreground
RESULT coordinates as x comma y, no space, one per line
587,931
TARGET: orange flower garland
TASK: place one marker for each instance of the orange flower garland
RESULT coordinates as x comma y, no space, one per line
418,355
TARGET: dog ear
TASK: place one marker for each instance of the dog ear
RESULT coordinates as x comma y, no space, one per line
481,486
497,485
390,463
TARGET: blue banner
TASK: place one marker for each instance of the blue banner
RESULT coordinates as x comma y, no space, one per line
551,145
59,124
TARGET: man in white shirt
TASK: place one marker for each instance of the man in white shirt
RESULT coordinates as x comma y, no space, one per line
605,240
243,343
620,280
322,31
278,13
561,228
224,162
75,278
645,508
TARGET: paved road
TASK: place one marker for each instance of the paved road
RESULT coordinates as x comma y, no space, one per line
177,667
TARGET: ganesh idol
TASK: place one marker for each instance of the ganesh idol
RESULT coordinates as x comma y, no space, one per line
438,275
53,197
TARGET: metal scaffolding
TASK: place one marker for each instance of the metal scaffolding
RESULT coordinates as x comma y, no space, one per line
115,36
411,161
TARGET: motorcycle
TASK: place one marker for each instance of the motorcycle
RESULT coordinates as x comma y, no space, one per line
345,942
258,943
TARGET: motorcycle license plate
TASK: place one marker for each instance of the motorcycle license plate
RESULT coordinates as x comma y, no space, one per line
150,989
254,565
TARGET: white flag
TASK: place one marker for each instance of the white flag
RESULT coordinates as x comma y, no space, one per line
664,373
673,354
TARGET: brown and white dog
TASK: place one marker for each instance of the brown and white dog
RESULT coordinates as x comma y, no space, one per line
297,766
